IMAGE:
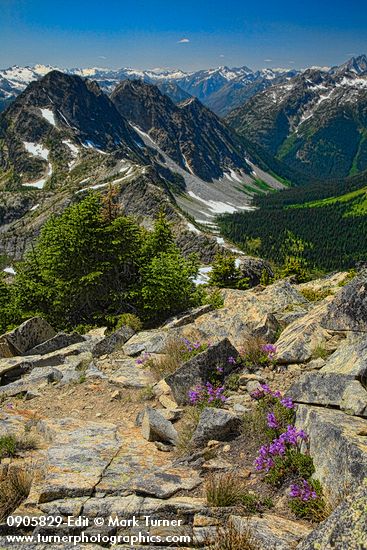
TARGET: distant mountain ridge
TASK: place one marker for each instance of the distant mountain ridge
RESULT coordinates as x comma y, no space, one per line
316,122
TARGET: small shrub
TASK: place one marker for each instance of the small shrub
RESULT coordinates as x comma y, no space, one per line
11,445
348,278
315,295
8,446
213,297
232,382
222,490
14,489
230,538
228,489
208,395
320,352
147,394
129,320
306,500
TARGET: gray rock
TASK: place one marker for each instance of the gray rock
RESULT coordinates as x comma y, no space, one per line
60,341
344,529
350,359
197,370
338,445
298,341
149,341
28,385
330,389
29,334
130,375
113,341
271,532
216,424
348,310
187,317
155,427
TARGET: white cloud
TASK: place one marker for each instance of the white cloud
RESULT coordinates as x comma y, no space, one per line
268,60
102,57
222,55
183,41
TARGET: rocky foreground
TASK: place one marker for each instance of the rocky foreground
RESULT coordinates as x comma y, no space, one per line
103,426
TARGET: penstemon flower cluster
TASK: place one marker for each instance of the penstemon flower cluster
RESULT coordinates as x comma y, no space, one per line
207,395
302,491
278,448
143,358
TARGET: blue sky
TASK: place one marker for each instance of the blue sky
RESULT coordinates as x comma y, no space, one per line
189,34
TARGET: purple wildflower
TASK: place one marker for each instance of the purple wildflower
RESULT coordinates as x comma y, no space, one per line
270,351
272,421
287,402
303,491
231,360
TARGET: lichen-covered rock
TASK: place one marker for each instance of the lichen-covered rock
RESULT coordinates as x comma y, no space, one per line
349,359
216,424
271,531
344,529
348,311
298,341
29,334
60,341
330,389
155,427
149,341
338,445
187,316
113,341
253,268
197,370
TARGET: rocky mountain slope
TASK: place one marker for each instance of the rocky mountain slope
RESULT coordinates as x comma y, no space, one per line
103,428
63,136
189,133
315,122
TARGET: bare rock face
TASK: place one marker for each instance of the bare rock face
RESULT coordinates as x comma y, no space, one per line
339,383
338,446
299,340
348,311
345,528
29,334
216,424
60,341
197,370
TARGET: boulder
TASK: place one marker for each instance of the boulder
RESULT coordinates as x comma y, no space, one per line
298,341
348,310
113,341
349,359
127,374
187,317
330,389
29,334
339,383
155,427
345,528
60,341
251,312
197,370
149,341
338,445
216,424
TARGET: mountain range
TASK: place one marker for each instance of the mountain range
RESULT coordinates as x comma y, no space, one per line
63,136
316,122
